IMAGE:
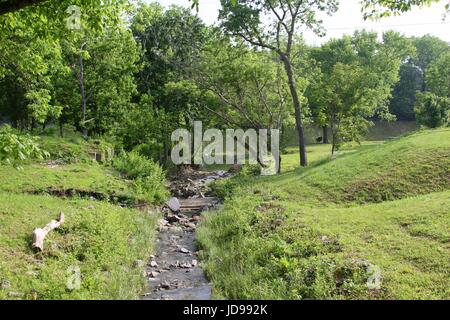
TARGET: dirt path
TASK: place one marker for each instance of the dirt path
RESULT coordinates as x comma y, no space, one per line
174,272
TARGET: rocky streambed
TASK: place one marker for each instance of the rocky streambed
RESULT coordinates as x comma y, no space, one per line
174,272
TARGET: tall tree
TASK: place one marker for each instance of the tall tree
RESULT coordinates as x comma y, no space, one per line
272,25
433,107
438,75
102,80
404,93
249,87
27,79
357,76
429,48
172,40
413,75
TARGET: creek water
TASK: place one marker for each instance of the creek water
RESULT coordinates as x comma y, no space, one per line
174,271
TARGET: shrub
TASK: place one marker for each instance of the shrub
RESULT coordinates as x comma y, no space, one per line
431,110
149,150
15,148
149,177
251,170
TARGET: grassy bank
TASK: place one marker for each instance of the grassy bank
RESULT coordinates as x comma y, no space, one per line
100,243
102,240
320,232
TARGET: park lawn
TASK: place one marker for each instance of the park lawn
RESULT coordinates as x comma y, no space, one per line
317,232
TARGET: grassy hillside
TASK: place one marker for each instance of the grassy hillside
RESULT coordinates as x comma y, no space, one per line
100,239
82,178
407,166
324,231
104,241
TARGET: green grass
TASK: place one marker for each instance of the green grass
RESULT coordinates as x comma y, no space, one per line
73,148
102,240
317,154
313,232
99,237
375,172
84,179
92,177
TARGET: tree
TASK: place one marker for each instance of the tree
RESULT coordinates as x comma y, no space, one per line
438,76
345,111
26,80
311,71
433,107
428,48
376,8
102,79
384,8
247,19
86,75
249,87
172,40
357,76
431,110
404,93
413,75
53,14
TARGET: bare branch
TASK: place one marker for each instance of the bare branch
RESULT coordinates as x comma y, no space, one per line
280,18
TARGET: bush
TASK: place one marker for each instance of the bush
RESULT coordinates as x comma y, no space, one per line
431,110
149,177
251,170
149,150
15,148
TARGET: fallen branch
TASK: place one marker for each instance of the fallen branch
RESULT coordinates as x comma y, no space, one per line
40,233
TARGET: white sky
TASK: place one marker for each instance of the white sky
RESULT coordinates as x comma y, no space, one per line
349,18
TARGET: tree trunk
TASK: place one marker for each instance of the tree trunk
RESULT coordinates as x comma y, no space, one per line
325,135
61,124
296,102
165,152
279,163
83,94
334,141
160,157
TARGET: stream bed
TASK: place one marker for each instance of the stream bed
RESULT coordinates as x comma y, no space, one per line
174,272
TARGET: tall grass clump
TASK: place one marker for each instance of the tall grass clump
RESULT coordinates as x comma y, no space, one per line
148,177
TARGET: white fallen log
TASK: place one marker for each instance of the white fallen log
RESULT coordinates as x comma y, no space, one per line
40,233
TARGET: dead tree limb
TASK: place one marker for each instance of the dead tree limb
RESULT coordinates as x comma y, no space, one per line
40,233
